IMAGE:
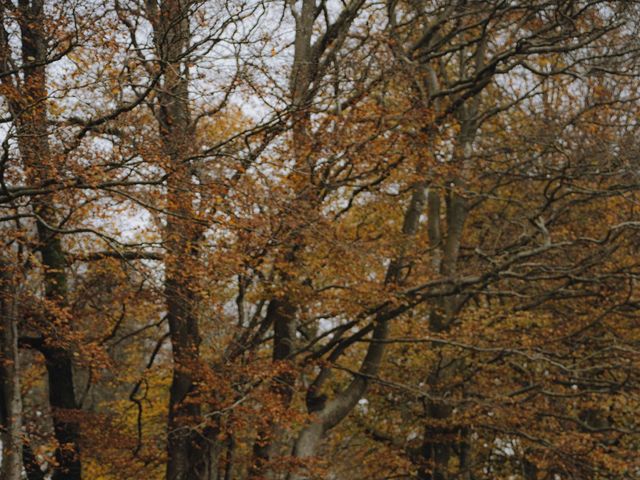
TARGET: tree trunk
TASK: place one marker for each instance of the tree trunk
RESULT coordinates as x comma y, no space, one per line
329,413
28,106
11,401
283,310
440,438
189,451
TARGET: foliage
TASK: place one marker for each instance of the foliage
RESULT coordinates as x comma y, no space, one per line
319,240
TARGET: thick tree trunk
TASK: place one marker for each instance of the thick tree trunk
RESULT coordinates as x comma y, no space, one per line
189,451
27,101
437,445
64,407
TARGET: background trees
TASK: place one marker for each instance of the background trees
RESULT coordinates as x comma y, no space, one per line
306,240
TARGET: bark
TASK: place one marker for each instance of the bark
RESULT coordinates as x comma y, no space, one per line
189,451
64,407
438,443
11,401
433,222
31,466
281,313
441,438
529,470
26,101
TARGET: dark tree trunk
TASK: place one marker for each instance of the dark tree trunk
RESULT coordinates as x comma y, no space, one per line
10,396
189,443
27,104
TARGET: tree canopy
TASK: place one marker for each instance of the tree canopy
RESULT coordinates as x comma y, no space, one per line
308,239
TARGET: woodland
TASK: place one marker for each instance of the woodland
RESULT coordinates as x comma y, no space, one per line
319,239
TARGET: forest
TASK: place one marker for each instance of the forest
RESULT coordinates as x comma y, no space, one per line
320,239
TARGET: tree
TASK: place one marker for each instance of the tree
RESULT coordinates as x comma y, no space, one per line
304,240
